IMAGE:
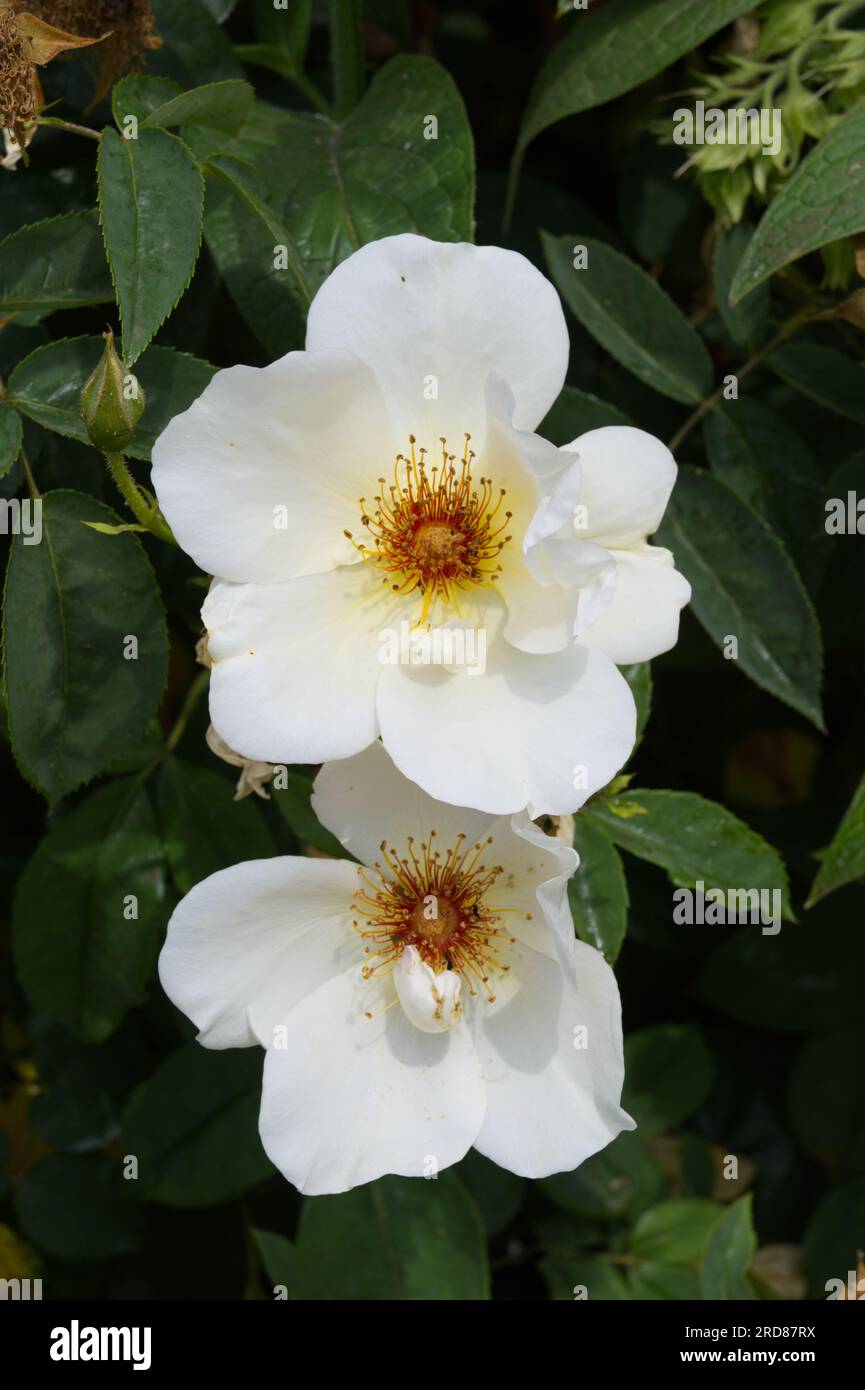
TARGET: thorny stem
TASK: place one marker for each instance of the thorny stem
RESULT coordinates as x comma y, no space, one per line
786,331
149,517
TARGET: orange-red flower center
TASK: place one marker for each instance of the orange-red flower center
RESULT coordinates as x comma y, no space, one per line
438,903
434,528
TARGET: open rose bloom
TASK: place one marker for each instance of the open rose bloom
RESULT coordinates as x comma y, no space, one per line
389,478
431,998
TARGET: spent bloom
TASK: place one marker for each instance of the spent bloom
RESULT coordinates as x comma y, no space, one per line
27,41
254,776
390,477
429,998
127,28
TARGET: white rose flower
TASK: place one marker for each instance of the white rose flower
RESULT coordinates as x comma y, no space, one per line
387,480
429,999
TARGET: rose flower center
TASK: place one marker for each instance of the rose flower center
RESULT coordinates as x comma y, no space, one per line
436,920
434,528
436,903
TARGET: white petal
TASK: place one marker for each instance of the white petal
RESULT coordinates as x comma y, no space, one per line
365,800
563,589
295,665
530,895
13,151
537,731
429,1000
262,475
553,583
643,618
248,943
628,476
551,1105
537,878
510,454
351,1098
556,508
427,314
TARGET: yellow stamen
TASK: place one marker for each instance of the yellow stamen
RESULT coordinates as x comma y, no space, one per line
435,529
437,904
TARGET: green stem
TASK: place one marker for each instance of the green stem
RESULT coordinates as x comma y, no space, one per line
260,55
310,91
71,126
151,519
28,474
193,695
786,331
346,55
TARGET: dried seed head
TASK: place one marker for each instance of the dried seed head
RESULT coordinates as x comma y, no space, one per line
129,25
17,79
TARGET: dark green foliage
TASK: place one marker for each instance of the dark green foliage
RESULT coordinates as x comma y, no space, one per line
126,1149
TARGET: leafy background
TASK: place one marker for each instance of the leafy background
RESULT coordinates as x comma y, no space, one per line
305,128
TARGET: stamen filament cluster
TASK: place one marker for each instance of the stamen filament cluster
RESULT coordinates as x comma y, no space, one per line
436,903
433,528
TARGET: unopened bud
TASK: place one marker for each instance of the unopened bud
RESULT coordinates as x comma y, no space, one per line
112,402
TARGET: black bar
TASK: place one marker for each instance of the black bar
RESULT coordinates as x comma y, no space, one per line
258,1336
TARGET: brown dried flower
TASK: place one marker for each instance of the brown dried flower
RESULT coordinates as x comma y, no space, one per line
129,27
17,78
27,41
